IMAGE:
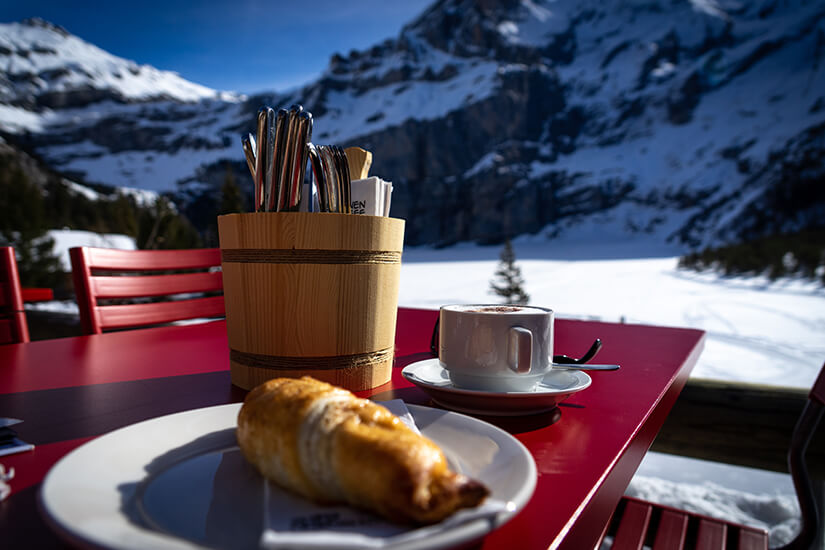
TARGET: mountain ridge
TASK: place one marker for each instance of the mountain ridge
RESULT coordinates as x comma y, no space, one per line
679,120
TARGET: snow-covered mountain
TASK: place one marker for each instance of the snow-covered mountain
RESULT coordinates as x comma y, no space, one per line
690,121
46,67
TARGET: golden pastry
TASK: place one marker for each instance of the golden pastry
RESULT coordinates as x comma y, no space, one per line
322,442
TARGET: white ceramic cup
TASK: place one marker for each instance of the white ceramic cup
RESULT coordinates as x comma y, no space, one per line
494,347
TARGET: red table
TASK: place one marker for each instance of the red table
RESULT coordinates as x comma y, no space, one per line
70,390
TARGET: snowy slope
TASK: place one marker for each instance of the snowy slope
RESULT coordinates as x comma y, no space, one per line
38,59
108,119
684,120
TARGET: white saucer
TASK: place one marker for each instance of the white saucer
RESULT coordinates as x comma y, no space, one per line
554,388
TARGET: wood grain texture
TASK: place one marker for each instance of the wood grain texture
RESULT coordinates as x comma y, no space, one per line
311,309
359,162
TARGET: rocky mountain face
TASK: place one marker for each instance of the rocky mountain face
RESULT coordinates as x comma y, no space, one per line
692,122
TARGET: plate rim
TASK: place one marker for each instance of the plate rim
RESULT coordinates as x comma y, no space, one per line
69,531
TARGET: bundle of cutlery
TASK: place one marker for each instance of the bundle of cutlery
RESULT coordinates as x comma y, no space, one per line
277,156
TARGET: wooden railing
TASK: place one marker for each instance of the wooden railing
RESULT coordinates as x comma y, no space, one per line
738,423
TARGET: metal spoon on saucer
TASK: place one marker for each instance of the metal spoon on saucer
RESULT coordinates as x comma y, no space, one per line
574,366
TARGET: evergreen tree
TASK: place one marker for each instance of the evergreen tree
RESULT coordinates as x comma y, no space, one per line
23,225
161,227
120,215
508,282
229,201
231,198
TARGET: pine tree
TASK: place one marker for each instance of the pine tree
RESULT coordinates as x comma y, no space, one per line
229,201
162,227
23,225
231,198
508,282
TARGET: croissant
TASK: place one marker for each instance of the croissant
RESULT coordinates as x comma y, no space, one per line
322,442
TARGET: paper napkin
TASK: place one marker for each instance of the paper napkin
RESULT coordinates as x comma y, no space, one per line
371,196
294,522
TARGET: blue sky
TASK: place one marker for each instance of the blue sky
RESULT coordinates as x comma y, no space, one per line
238,45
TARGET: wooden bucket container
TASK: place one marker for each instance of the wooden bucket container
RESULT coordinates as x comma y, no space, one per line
311,294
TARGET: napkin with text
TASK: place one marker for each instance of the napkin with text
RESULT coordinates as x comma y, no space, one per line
292,521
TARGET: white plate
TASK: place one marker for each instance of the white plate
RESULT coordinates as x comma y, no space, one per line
179,482
555,387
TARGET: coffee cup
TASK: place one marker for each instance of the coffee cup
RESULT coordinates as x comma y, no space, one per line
495,347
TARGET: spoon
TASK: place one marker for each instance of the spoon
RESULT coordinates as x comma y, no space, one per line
249,147
576,366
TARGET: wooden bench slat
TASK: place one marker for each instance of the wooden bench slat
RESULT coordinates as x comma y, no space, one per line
155,285
672,531
633,527
712,535
152,260
161,312
752,539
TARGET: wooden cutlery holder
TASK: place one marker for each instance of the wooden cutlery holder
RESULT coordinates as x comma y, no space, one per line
311,294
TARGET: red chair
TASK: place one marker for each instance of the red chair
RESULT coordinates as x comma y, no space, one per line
13,326
637,523
121,275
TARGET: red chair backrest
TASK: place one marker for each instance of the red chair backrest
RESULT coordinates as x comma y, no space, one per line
134,278
13,326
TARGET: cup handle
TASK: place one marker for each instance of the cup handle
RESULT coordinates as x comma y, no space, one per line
520,350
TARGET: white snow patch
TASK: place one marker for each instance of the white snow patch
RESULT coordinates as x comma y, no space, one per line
487,162
78,189
64,239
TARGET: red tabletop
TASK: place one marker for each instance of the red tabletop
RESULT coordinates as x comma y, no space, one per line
70,390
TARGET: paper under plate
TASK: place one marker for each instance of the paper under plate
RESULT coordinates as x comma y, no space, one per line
555,387
179,482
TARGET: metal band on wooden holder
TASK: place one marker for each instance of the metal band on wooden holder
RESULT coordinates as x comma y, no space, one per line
333,362
293,256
